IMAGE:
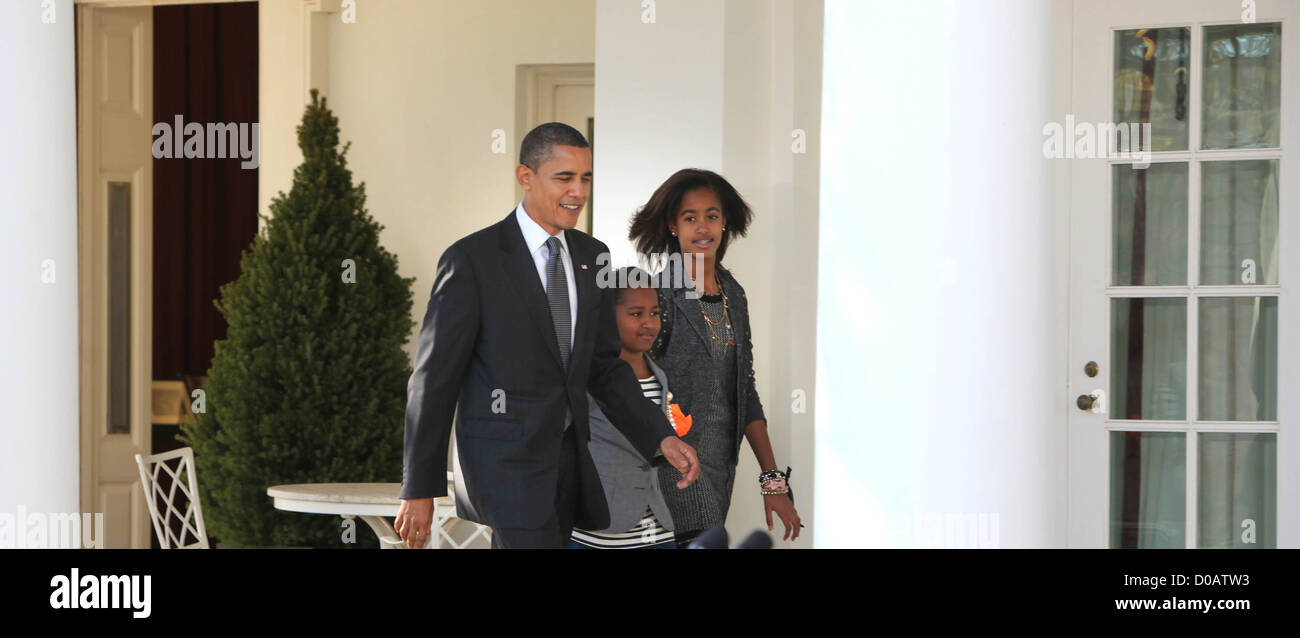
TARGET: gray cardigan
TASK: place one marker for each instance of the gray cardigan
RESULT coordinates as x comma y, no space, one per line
682,323
630,481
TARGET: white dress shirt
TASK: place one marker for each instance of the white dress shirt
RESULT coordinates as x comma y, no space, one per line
535,239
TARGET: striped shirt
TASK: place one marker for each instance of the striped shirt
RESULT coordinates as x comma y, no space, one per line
652,390
648,531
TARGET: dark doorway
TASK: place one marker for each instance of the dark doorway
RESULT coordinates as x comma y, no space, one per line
205,63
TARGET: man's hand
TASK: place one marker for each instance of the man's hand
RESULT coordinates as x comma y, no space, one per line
414,520
683,457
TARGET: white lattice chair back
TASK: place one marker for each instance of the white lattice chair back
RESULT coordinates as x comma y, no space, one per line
453,532
449,532
164,506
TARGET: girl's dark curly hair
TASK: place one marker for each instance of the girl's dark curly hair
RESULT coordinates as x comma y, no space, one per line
627,278
649,227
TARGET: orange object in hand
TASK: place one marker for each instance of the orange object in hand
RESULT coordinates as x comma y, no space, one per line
681,422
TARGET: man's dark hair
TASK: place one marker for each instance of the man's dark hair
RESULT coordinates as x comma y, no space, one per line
649,227
536,147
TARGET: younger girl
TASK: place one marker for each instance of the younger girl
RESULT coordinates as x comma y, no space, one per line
638,515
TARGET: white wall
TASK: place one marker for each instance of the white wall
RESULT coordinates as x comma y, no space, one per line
659,104
938,360
39,425
282,90
720,85
418,86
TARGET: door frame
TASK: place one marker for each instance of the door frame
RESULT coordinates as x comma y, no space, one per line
102,454
535,86
108,469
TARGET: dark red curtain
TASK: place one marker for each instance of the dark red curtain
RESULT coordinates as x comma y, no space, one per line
204,210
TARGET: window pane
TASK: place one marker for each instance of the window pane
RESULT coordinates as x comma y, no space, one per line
1148,352
1151,83
1239,240
1237,495
1148,490
1241,103
1149,241
119,308
1238,358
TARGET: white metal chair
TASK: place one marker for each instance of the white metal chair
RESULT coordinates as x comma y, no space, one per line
162,514
449,532
452,532
445,521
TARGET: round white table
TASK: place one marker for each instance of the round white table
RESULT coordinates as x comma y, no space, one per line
372,502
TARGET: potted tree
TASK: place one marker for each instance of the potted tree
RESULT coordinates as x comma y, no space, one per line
309,384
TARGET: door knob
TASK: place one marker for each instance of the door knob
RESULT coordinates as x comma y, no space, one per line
1085,402
1094,401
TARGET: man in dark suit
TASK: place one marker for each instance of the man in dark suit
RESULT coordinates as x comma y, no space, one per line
516,334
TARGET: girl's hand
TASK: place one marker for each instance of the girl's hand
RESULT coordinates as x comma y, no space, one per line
784,507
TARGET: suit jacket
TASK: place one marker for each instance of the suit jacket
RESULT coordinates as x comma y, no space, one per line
630,482
683,347
487,339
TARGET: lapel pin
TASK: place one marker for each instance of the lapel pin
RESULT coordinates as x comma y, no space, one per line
584,266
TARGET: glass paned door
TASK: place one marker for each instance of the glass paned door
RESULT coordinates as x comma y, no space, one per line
1180,283
1236,336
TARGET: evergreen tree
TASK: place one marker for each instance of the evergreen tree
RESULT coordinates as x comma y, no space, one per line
309,384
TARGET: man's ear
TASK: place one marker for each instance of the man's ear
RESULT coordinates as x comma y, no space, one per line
524,176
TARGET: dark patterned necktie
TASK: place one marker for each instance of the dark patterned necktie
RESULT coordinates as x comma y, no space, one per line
557,297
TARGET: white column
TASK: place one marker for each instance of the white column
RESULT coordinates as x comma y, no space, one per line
659,104
722,85
39,424
935,347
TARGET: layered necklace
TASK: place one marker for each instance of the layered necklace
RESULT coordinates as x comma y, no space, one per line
722,324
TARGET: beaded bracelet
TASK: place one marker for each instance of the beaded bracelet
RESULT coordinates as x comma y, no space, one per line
774,482
775,486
